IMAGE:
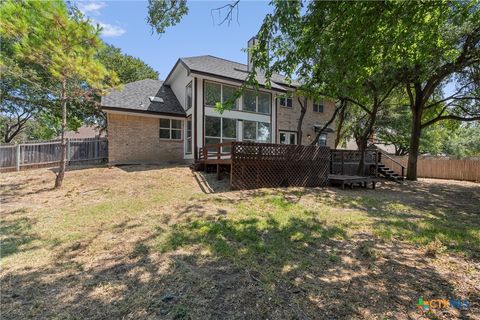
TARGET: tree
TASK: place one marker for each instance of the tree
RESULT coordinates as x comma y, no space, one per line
440,47
323,50
60,41
127,67
165,13
23,92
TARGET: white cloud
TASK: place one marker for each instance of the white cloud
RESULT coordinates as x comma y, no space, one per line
109,30
92,8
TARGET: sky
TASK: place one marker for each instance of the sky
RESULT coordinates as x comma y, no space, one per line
125,26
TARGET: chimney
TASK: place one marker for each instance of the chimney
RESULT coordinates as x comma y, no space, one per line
252,42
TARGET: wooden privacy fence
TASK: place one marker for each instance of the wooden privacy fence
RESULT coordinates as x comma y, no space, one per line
438,167
35,154
258,165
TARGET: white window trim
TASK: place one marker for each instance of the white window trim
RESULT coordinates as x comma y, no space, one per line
326,139
256,102
186,136
170,129
322,103
280,99
190,84
221,129
237,102
256,132
288,133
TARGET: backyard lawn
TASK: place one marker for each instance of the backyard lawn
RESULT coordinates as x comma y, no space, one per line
162,242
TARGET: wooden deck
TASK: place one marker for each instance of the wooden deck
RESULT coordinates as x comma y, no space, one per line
213,154
264,164
351,181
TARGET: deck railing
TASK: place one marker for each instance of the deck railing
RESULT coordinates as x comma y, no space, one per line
346,161
215,151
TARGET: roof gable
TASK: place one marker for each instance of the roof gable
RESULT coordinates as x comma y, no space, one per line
135,96
218,67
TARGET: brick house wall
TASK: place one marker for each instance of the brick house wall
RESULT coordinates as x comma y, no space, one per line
134,139
287,120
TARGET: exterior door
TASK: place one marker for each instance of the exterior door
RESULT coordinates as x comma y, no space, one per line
287,137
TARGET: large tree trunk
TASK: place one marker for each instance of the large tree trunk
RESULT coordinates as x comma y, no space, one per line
414,144
362,146
303,110
63,151
341,120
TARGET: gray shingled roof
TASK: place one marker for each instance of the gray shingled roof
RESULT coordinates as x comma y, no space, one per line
135,97
233,70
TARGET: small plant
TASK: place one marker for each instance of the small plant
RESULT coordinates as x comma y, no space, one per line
366,250
433,248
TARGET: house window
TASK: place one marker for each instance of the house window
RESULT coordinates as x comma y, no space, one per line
256,131
256,102
219,93
228,93
188,137
288,137
286,102
170,129
213,94
188,96
318,107
220,130
322,140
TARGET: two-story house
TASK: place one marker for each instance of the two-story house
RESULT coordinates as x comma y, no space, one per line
153,120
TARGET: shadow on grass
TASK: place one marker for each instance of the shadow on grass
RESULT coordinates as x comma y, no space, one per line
15,236
423,213
219,269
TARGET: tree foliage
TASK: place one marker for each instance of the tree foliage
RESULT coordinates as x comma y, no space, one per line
165,13
127,67
63,44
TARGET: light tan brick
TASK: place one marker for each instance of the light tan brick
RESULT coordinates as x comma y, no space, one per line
288,120
134,139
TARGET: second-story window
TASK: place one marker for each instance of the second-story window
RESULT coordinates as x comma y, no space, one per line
256,102
286,102
318,106
216,92
188,96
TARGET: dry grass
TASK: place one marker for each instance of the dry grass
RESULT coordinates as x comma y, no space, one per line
148,242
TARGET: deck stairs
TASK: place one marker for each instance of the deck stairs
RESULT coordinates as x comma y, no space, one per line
389,174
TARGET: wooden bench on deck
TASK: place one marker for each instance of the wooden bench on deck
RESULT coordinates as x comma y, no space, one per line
343,180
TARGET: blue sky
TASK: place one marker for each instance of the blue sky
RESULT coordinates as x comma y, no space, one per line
125,26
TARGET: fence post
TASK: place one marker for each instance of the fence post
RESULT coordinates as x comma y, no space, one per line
18,157
68,151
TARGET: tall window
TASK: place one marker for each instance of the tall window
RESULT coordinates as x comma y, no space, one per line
188,96
256,102
220,130
286,102
188,137
322,140
318,106
216,92
170,129
256,131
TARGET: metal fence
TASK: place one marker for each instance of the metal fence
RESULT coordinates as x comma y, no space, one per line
35,154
